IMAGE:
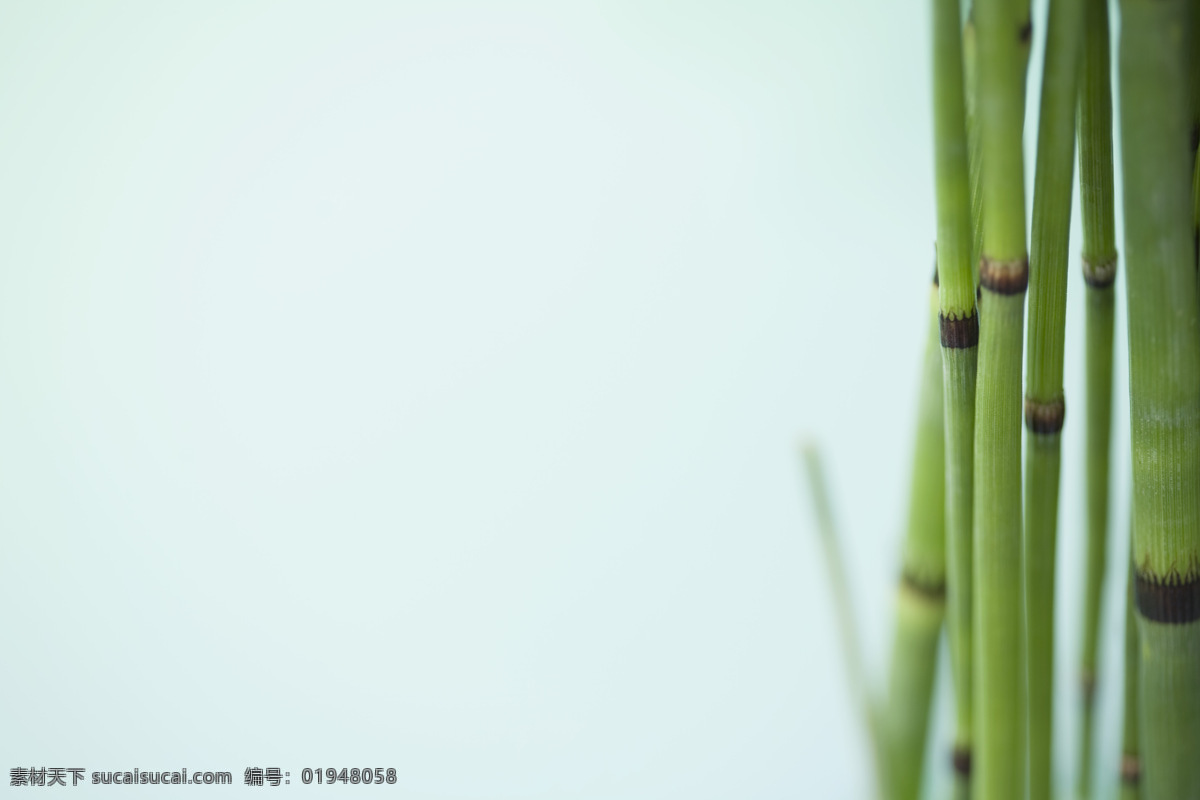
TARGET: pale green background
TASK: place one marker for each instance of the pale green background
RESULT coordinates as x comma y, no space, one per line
417,384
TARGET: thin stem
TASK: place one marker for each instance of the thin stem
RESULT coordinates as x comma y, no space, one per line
1164,396
835,568
959,335
1099,273
1044,404
1131,765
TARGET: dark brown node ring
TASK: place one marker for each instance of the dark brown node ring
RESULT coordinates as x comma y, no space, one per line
961,759
931,590
1044,417
1100,276
1172,603
959,333
1131,769
1004,277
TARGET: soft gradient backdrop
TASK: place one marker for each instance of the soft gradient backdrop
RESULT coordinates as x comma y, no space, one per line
417,384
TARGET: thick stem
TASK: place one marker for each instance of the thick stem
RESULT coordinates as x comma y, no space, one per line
997,629
1164,396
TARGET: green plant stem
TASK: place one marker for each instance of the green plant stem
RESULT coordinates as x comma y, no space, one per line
1196,195
1194,64
1097,204
1164,396
921,595
1131,767
974,146
1044,404
958,324
958,376
974,139
997,629
835,567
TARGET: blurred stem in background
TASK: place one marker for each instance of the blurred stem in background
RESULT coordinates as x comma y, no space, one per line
899,732
835,568
1164,394
1131,768
1097,206
921,596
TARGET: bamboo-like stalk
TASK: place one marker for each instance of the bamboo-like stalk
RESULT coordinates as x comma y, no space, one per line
1131,767
974,146
997,627
959,334
1044,404
1097,204
921,596
1164,396
835,567
1194,64
974,141
1196,186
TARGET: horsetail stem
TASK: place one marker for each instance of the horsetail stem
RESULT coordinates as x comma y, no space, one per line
974,142
974,157
1131,767
1099,273
997,627
1196,196
921,597
1044,406
959,335
1164,367
835,568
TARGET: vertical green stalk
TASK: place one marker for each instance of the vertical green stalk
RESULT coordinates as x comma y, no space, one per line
1164,394
974,141
1196,190
997,628
921,597
959,334
835,568
1044,404
1099,273
974,156
1131,767
960,349
1194,65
